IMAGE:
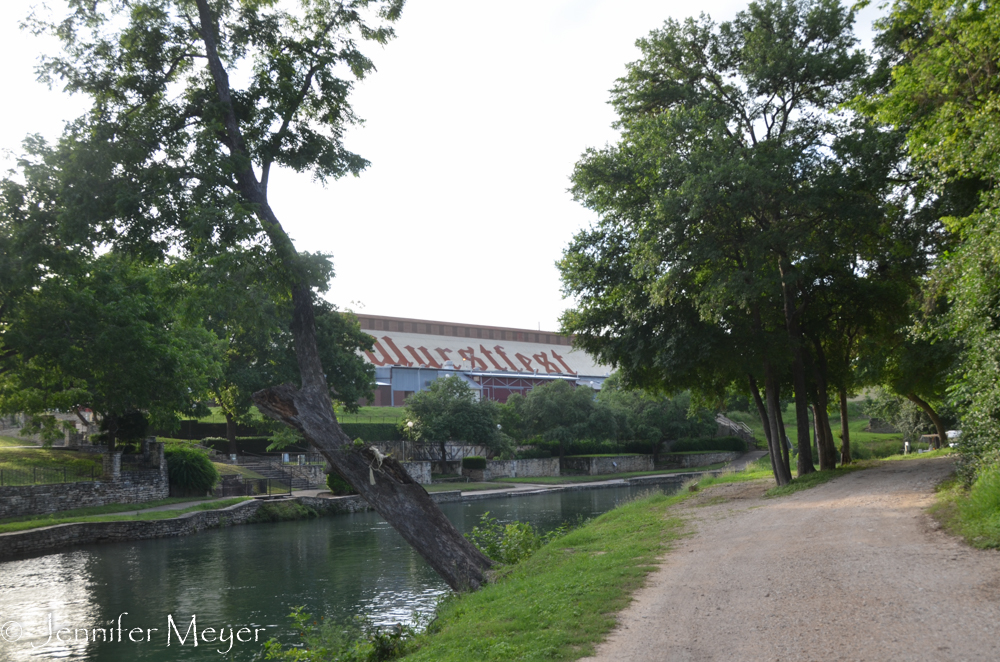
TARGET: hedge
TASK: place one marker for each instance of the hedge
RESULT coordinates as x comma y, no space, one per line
709,444
253,445
474,462
190,469
372,432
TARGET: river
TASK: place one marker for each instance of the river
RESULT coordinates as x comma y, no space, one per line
240,581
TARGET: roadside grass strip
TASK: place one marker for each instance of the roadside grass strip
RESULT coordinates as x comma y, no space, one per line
971,513
88,514
561,601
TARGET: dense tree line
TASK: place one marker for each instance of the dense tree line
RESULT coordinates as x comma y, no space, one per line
777,217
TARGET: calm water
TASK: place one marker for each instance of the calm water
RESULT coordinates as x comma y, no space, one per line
240,577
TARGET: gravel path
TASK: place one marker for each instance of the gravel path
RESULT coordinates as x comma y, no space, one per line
851,570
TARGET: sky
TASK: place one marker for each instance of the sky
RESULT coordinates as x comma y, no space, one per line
472,123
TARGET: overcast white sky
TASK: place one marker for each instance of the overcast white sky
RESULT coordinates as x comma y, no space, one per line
473,122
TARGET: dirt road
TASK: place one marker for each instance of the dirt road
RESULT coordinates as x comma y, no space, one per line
850,570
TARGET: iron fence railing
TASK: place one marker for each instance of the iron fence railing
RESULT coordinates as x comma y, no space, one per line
48,475
232,486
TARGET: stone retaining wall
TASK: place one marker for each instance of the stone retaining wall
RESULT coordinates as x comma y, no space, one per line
596,466
116,486
689,460
419,470
514,469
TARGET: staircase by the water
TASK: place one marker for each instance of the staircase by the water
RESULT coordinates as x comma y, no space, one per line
736,429
285,474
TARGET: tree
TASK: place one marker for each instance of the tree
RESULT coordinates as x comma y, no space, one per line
113,339
731,184
251,316
559,411
449,410
172,154
943,92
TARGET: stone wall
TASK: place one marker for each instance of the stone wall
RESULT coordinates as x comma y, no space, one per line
515,469
688,460
116,486
596,466
419,471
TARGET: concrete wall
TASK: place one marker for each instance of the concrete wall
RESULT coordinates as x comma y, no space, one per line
688,460
116,486
596,466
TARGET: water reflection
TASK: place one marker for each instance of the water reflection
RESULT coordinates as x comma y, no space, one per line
245,576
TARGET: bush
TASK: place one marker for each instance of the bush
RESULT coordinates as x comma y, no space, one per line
533,454
190,469
703,444
372,431
338,485
508,543
474,462
359,640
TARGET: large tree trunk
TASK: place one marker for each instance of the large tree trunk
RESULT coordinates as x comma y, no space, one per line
845,430
824,439
766,423
231,434
382,482
938,423
394,495
805,465
783,475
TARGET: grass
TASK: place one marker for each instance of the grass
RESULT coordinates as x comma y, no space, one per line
971,513
19,465
363,415
6,442
563,480
561,601
70,516
570,457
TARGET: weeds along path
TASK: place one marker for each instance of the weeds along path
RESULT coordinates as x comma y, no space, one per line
851,570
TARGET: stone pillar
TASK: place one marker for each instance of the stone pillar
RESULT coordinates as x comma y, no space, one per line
112,466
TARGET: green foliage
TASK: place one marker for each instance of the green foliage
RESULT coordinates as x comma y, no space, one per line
474,462
942,97
190,469
898,412
449,410
359,640
338,485
559,412
973,513
709,444
125,345
509,543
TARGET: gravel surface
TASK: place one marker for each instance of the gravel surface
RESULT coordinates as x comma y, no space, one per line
851,570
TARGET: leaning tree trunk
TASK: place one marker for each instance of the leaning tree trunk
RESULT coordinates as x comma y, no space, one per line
383,483
845,430
776,442
938,423
765,421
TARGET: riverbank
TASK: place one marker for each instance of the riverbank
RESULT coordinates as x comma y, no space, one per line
42,536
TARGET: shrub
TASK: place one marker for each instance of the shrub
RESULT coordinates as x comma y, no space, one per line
338,485
474,462
190,469
709,444
508,543
359,640
533,454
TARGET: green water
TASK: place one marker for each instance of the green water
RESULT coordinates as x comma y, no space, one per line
240,577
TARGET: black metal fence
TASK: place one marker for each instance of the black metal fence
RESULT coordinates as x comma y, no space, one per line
232,486
48,475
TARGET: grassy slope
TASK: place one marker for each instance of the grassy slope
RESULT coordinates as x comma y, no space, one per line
557,604
79,515
363,415
14,441
27,458
562,601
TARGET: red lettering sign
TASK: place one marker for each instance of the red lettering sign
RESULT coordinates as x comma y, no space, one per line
562,363
469,355
499,350
543,360
525,360
489,355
